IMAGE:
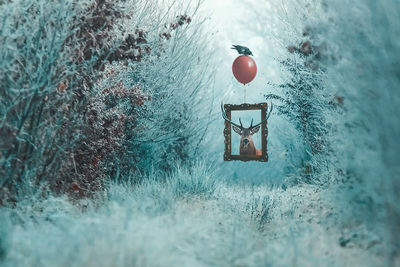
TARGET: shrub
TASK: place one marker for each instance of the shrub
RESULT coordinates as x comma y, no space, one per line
84,84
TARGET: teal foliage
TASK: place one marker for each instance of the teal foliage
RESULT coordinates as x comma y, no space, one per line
32,63
196,181
83,111
93,91
307,103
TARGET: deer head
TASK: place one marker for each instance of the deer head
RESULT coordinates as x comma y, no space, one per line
246,140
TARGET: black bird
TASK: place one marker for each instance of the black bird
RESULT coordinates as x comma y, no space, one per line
242,50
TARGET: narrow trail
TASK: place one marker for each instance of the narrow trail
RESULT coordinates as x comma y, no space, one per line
221,226
111,133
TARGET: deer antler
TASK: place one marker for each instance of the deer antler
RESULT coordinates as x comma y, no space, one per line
228,120
241,125
269,113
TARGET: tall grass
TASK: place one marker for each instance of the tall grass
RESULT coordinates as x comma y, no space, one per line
185,215
172,220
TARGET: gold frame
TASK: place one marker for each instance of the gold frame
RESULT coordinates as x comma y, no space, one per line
228,129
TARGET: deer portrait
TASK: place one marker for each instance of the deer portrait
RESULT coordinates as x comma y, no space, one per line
246,140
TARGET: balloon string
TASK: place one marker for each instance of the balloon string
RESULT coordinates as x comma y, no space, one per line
244,86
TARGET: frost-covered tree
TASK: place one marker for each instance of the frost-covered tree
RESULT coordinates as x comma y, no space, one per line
366,36
33,63
86,84
359,85
300,94
305,101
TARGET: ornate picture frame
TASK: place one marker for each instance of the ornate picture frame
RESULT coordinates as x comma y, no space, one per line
263,107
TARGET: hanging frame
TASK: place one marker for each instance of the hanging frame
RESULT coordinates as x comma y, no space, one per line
263,107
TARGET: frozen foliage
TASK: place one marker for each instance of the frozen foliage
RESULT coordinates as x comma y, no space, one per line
339,97
356,45
305,106
93,90
32,36
164,222
365,38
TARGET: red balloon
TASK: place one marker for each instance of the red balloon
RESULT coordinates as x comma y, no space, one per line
244,69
